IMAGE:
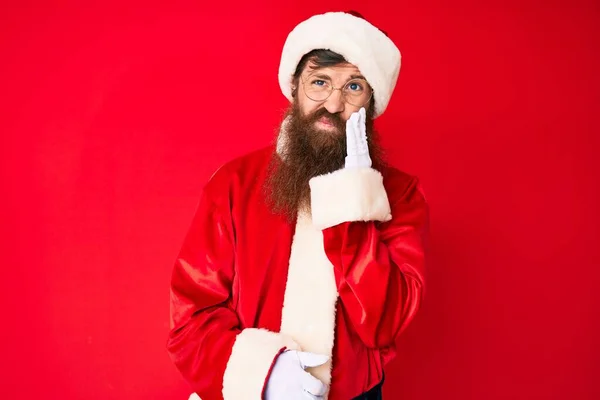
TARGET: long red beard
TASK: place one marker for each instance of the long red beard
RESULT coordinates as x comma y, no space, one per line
306,152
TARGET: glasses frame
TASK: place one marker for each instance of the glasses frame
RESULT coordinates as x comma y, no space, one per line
341,89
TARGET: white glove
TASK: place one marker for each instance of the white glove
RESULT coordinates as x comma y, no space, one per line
289,380
357,149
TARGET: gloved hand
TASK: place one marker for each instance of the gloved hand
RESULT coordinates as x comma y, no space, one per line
289,380
357,149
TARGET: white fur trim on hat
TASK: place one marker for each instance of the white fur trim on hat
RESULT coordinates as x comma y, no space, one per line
361,44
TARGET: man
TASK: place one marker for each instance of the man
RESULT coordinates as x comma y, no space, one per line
304,262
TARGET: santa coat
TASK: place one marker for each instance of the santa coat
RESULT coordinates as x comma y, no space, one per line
344,281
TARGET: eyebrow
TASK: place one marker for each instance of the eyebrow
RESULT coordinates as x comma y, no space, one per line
321,76
324,76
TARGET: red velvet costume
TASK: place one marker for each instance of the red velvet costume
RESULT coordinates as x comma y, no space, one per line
343,281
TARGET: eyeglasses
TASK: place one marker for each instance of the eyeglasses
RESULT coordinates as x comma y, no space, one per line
356,91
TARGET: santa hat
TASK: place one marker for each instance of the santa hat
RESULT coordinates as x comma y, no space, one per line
359,42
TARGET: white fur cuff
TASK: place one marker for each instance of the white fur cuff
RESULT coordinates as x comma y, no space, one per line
250,362
349,194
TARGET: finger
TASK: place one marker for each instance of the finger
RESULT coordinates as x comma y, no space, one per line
349,125
350,135
357,124
351,122
361,133
311,359
363,123
312,385
357,134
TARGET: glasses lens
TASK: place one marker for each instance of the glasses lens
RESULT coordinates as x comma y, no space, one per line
357,92
317,89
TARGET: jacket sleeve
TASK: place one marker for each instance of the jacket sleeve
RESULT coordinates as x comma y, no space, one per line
378,267
219,358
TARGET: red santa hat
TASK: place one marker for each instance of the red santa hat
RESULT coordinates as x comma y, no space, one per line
351,36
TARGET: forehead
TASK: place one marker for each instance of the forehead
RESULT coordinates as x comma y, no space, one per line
340,71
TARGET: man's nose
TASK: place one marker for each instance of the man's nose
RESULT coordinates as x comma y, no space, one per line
335,102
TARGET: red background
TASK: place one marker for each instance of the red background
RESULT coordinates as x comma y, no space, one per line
114,115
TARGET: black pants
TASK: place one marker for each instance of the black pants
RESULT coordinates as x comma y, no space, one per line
374,393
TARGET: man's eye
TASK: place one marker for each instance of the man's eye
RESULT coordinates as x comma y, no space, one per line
354,86
319,82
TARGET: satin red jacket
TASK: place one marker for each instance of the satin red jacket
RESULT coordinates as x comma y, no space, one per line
343,281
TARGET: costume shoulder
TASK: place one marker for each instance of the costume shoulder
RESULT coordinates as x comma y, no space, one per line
239,173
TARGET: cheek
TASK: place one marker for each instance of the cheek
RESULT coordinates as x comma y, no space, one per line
305,105
308,107
349,109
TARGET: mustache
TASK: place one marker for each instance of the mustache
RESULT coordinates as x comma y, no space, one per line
336,119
